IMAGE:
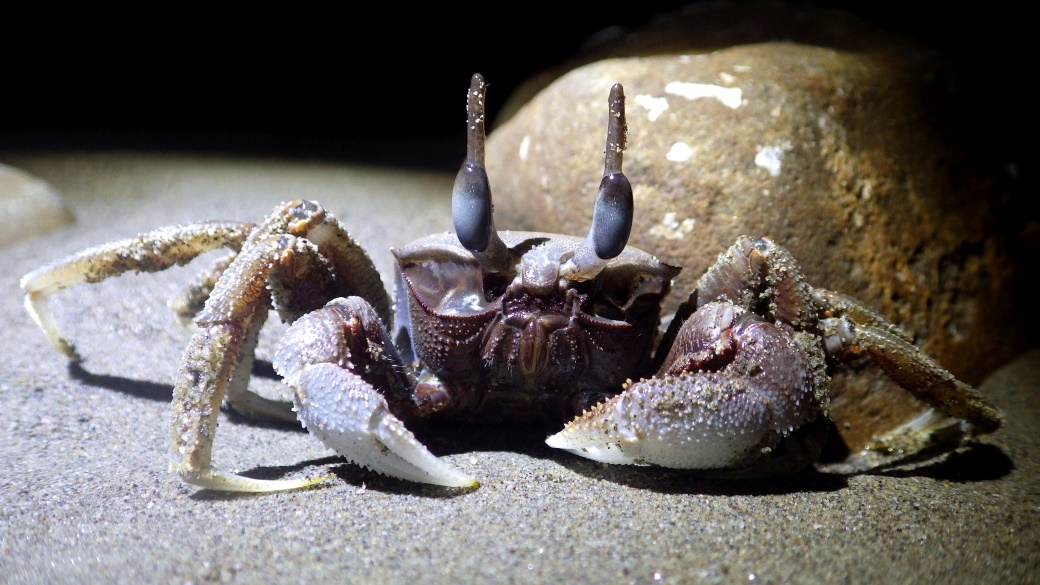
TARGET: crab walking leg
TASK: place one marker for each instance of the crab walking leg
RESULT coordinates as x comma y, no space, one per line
203,377
239,397
836,304
852,328
912,369
226,328
316,261
149,252
205,368
348,382
355,271
684,418
192,299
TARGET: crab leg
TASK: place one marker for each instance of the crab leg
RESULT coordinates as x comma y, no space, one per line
853,329
190,303
226,326
349,382
912,369
193,297
295,260
239,397
150,252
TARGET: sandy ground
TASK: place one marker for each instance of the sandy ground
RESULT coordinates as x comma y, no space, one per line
85,495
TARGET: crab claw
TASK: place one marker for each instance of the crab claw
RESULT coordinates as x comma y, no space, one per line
352,419
333,359
691,421
735,388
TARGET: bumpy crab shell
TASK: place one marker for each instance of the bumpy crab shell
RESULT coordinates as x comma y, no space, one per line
520,327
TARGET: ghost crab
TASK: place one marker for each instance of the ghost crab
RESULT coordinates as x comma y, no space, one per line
515,327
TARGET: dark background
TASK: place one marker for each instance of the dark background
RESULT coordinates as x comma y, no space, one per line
361,82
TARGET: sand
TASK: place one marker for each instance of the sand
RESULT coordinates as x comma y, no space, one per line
85,496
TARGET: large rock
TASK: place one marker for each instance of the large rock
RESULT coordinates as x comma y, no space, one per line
854,161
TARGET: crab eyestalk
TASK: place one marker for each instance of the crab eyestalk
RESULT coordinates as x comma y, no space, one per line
612,214
471,206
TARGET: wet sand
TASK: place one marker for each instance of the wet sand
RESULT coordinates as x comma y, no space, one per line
85,495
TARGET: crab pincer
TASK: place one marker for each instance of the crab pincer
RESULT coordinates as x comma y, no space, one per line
731,389
334,359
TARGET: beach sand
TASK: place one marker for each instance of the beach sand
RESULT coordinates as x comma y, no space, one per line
85,496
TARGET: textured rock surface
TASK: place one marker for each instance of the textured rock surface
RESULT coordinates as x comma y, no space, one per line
854,161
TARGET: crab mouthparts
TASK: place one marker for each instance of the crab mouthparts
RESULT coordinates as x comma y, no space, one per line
533,346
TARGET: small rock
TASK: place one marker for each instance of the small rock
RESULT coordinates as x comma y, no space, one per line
28,201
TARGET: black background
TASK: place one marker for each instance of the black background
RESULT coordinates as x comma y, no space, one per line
353,82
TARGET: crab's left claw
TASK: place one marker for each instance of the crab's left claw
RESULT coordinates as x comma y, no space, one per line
342,366
351,418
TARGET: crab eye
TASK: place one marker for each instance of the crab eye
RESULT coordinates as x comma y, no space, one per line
612,213
471,207
612,216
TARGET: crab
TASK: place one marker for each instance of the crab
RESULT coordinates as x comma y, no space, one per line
514,327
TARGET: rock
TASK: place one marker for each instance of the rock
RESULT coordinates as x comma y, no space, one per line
854,160
28,201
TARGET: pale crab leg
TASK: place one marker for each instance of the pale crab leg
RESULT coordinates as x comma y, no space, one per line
296,257
191,300
334,359
149,252
210,362
239,397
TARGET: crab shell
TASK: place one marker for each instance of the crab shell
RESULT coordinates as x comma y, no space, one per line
526,338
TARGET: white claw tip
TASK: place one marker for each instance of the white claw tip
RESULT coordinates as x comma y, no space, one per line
604,453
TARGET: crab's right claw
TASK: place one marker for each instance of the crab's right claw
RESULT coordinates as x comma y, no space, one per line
688,419
354,420
699,421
